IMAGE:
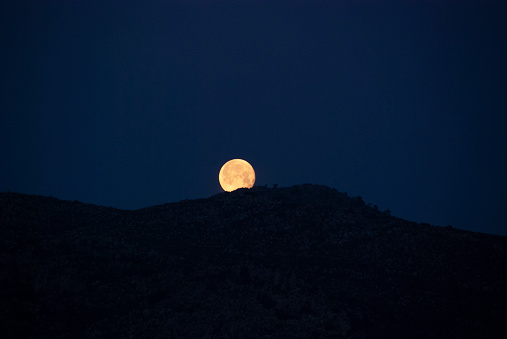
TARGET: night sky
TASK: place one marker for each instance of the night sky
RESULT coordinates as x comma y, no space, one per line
133,104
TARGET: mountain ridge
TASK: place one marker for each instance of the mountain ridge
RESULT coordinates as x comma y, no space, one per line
301,261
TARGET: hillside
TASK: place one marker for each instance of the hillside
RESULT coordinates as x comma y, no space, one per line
303,261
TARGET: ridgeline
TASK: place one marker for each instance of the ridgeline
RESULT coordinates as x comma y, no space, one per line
298,262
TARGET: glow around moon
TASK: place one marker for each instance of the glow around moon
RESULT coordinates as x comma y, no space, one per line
236,173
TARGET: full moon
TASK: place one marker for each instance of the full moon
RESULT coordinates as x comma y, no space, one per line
236,173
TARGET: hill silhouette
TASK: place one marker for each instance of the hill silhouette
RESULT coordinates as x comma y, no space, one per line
298,262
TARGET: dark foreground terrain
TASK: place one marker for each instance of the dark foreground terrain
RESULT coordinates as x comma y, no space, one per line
298,262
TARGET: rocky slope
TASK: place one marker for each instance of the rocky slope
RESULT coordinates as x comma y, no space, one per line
303,261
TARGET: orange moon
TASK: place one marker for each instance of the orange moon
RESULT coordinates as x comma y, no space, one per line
236,173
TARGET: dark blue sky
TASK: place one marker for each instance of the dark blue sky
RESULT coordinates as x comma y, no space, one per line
132,104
